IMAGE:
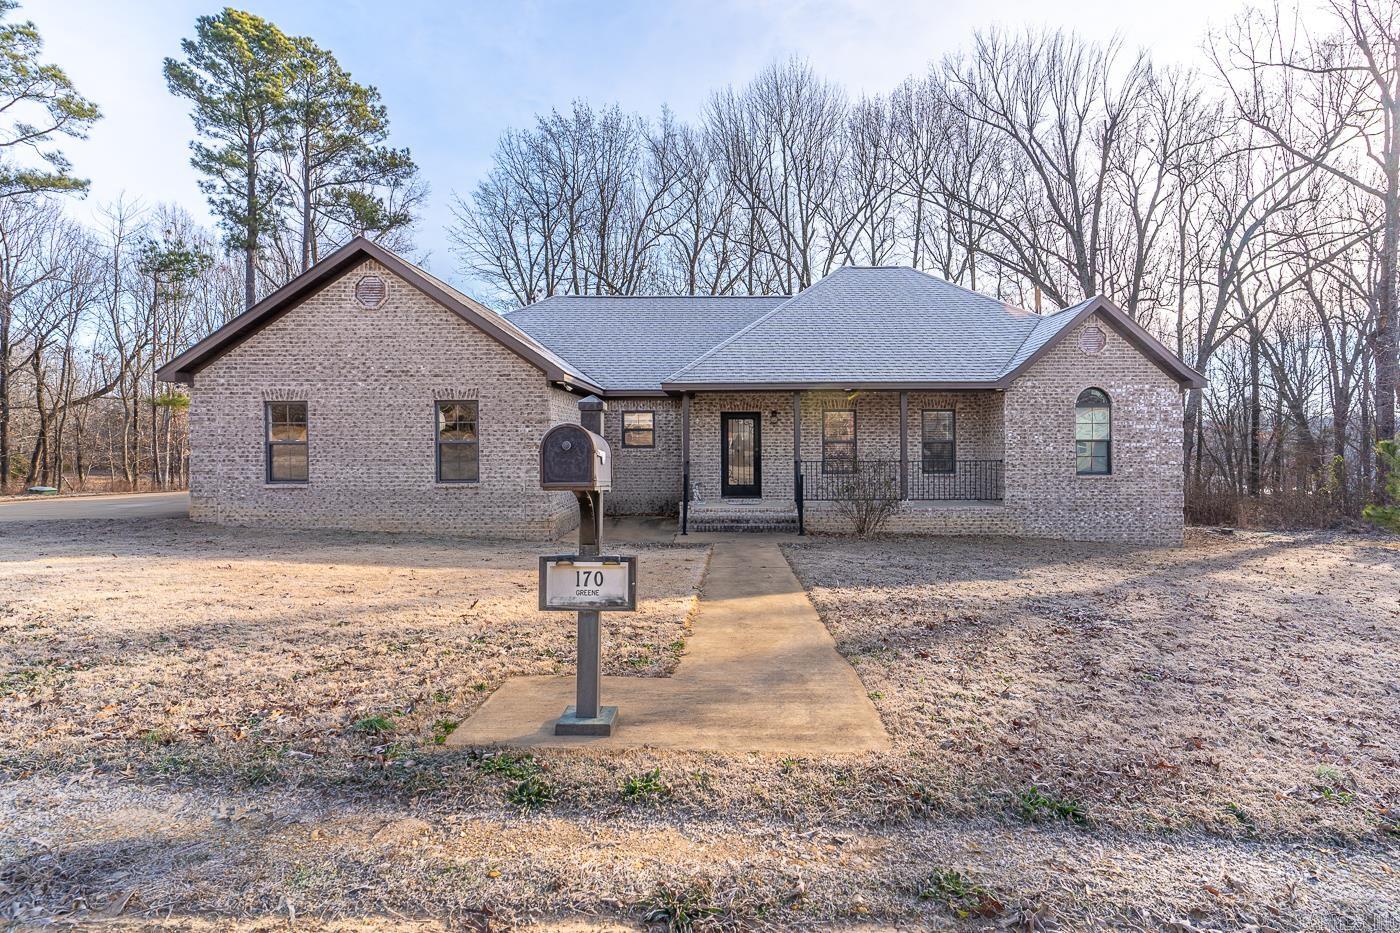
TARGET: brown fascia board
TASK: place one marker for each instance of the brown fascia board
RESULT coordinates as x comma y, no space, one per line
682,387
1130,331
183,367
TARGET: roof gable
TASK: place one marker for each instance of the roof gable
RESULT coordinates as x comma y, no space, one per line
184,366
1053,328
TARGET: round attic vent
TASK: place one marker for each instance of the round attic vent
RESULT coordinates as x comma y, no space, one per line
1092,339
371,291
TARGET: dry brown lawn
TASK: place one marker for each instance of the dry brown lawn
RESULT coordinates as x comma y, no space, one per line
212,727
1247,679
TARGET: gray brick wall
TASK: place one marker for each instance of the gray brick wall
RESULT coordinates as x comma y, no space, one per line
370,379
1141,501
646,480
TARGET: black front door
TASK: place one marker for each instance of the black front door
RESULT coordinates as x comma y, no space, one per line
741,458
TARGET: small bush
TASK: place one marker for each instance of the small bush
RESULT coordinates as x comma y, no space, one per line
955,891
1035,806
682,910
868,497
530,794
645,788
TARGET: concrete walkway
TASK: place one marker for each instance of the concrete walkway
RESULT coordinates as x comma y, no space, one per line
760,673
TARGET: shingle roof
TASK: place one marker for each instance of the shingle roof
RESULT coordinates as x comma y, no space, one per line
1045,330
628,344
863,326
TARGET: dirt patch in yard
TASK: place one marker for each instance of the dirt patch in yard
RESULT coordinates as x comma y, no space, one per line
1244,682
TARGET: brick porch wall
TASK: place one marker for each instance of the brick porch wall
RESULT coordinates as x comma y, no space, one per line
370,379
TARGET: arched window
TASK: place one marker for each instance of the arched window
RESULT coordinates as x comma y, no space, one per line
1093,433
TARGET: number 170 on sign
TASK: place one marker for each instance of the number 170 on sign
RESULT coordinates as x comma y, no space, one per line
571,581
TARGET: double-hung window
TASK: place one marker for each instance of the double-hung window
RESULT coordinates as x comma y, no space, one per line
286,458
839,441
638,429
458,447
939,441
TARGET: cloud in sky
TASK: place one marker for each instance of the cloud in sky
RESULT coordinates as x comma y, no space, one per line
455,75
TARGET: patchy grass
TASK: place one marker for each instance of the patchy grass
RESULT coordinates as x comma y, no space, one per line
181,706
530,793
220,640
1036,805
682,909
645,788
960,895
1156,687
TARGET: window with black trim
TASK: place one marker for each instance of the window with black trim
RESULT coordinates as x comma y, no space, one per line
286,442
839,441
939,440
1093,429
638,429
458,446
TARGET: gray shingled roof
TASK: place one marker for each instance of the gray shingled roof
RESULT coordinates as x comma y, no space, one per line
862,326
1045,330
859,327
630,344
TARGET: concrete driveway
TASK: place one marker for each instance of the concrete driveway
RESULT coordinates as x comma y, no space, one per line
79,508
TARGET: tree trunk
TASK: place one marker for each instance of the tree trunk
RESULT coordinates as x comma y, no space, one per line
1255,413
250,229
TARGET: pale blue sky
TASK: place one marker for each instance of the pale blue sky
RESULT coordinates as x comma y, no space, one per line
455,75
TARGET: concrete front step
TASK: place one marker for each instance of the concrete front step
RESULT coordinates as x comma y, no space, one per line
734,517
745,525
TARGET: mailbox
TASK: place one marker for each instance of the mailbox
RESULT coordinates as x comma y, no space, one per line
573,458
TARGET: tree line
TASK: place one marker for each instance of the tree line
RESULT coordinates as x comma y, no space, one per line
1247,212
294,157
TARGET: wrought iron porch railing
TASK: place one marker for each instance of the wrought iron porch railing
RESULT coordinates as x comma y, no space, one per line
829,480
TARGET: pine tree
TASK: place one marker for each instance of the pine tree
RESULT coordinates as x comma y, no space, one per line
235,72
44,91
340,173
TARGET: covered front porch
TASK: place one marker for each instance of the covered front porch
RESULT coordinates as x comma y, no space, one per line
781,461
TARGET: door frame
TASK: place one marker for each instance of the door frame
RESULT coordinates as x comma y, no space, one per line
724,488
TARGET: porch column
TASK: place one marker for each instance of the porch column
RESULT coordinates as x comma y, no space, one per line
685,463
903,445
797,490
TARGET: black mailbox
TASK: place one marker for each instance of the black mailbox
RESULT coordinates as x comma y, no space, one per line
573,458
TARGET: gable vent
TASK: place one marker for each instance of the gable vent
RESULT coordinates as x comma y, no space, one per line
1092,340
371,291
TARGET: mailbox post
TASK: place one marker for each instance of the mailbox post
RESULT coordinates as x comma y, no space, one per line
576,458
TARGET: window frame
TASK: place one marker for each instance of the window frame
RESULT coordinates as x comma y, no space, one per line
952,442
651,417
827,443
1106,440
439,443
270,443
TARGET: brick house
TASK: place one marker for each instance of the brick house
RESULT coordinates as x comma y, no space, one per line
367,394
